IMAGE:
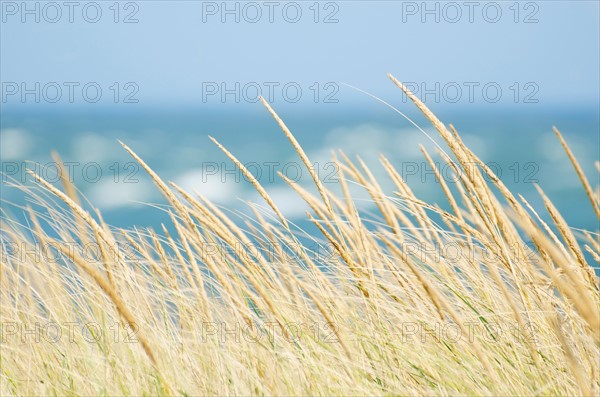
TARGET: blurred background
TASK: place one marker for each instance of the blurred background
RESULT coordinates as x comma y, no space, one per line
163,75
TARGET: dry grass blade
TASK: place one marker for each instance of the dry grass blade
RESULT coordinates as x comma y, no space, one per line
301,153
253,181
382,292
580,174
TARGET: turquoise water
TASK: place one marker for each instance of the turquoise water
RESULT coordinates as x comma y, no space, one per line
518,144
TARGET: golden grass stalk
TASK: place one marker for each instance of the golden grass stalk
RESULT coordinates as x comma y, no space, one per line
580,174
370,308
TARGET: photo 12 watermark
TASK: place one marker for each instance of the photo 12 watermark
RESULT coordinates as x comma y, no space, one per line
415,332
452,173
69,92
72,171
471,12
526,92
52,12
273,91
21,333
252,12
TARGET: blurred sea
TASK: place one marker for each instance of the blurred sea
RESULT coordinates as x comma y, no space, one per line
517,143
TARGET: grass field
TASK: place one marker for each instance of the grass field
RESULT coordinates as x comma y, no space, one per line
486,298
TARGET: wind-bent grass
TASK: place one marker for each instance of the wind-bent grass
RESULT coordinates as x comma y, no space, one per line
398,306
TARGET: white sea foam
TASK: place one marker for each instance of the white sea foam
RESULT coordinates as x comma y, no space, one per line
93,147
556,170
15,144
215,187
106,194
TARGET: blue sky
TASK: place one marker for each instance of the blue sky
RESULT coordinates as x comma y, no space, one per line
177,46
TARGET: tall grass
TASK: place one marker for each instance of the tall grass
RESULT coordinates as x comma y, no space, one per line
484,299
